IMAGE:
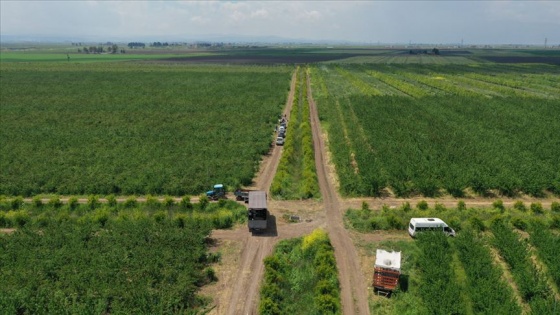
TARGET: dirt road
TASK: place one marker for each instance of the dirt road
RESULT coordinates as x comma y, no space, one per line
354,294
237,291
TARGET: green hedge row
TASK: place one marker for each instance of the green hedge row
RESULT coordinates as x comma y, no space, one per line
296,176
301,277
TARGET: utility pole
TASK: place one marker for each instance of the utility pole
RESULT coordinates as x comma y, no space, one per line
545,42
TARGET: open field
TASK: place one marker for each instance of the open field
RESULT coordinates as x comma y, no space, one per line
134,128
408,130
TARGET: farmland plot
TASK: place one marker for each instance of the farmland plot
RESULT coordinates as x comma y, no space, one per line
531,282
486,269
134,128
456,130
121,258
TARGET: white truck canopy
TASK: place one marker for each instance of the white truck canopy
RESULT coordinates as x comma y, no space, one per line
389,260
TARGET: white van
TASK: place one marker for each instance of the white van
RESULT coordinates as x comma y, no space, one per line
428,224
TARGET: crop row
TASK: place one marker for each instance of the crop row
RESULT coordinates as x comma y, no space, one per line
223,214
296,176
400,84
531,282
363,87
491,88
547,244
436,284
489,294
130,129
301,277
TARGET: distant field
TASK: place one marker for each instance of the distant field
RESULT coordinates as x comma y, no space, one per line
407,59
280,54
134,128
418,129
75,57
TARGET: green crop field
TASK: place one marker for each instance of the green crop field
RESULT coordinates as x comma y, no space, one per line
85,58
134,128
116,258
437,129
466,274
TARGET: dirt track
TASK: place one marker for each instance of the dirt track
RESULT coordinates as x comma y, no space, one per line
237,291
353,287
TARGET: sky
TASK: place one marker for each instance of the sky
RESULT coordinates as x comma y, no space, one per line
434,22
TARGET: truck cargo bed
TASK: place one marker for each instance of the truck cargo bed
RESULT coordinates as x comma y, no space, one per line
257,224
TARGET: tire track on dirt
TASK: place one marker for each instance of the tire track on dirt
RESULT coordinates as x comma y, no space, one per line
245,293
354,294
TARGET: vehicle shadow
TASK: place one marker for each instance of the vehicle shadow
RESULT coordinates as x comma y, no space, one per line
403,282
271,230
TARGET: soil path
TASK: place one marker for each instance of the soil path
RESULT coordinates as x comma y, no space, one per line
354,294
239,283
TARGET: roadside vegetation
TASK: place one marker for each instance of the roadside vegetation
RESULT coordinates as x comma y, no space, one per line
301,277
132,128
520,215
296,176
93,258
430,130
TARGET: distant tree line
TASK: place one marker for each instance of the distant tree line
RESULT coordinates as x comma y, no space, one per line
136,45
434,51
159,44
113,49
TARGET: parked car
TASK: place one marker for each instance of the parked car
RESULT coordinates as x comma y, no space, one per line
417,225
280,141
